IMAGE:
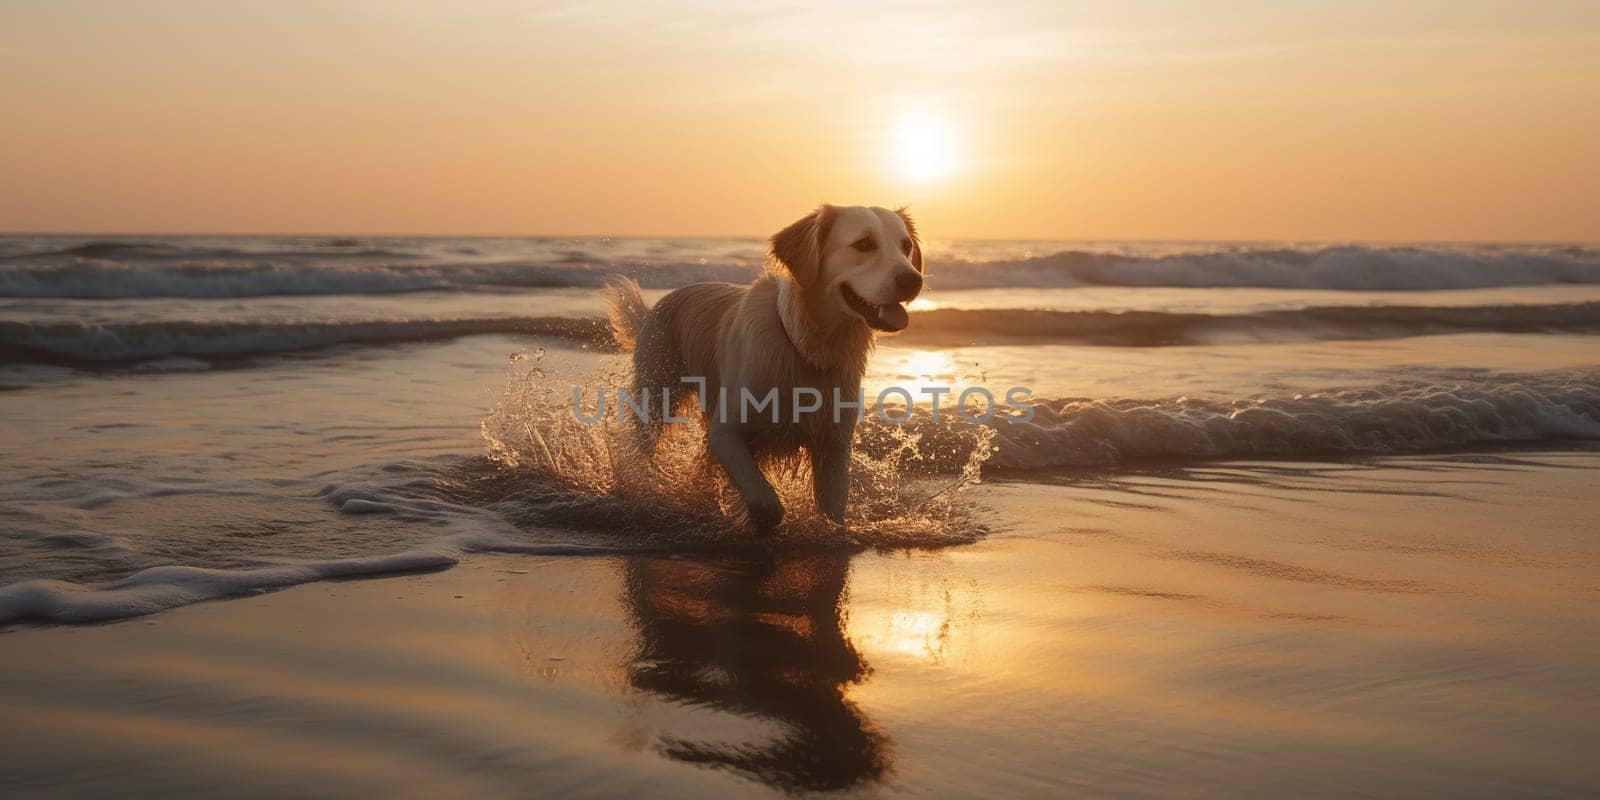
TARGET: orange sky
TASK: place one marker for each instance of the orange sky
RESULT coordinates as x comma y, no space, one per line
1250,119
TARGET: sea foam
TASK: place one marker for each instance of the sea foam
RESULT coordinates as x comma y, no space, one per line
161,588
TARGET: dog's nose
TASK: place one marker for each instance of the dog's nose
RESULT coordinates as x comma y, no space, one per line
906,286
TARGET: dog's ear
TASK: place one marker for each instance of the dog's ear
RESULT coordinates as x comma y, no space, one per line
799,247
916,241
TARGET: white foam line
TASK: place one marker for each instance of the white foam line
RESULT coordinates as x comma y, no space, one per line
162,588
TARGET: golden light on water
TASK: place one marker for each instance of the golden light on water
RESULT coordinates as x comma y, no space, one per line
897,616
923,147
915,370
920,634
929,364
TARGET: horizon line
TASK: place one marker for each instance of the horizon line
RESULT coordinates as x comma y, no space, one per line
636,236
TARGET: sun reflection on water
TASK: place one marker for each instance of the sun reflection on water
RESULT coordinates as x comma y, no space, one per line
917,370
933,623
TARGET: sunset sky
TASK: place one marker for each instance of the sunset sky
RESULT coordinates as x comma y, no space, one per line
1247,119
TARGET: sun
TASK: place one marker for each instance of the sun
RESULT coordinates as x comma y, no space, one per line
923,147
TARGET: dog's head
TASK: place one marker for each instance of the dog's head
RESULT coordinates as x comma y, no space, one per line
854,261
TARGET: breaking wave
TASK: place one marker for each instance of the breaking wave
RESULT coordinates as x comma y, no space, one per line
111,249
1346,267
75,343
533,428
954,327
1416,417
102,281
218,268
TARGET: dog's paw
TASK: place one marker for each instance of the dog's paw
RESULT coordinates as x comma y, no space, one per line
764,512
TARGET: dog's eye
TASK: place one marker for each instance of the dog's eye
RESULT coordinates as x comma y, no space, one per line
905,246
865,244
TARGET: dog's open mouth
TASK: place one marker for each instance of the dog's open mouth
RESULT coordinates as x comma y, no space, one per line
891,317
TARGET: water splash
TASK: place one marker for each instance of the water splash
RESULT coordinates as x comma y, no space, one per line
556,469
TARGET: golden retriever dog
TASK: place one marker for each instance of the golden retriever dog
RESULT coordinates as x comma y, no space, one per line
803,331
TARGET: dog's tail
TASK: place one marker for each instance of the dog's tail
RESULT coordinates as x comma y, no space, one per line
626,308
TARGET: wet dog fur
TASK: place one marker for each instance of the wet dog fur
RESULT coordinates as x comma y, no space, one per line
834,279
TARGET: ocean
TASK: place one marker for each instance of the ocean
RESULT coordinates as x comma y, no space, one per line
190,418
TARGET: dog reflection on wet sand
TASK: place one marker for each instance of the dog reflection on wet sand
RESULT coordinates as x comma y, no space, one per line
759,637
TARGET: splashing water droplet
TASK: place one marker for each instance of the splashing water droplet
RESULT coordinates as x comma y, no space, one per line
904,490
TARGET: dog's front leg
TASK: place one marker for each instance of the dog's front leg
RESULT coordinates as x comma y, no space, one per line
760,501
830,476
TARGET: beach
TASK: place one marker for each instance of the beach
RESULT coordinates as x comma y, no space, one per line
314,517
1257,629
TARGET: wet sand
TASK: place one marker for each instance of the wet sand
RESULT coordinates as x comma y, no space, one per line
1411,627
